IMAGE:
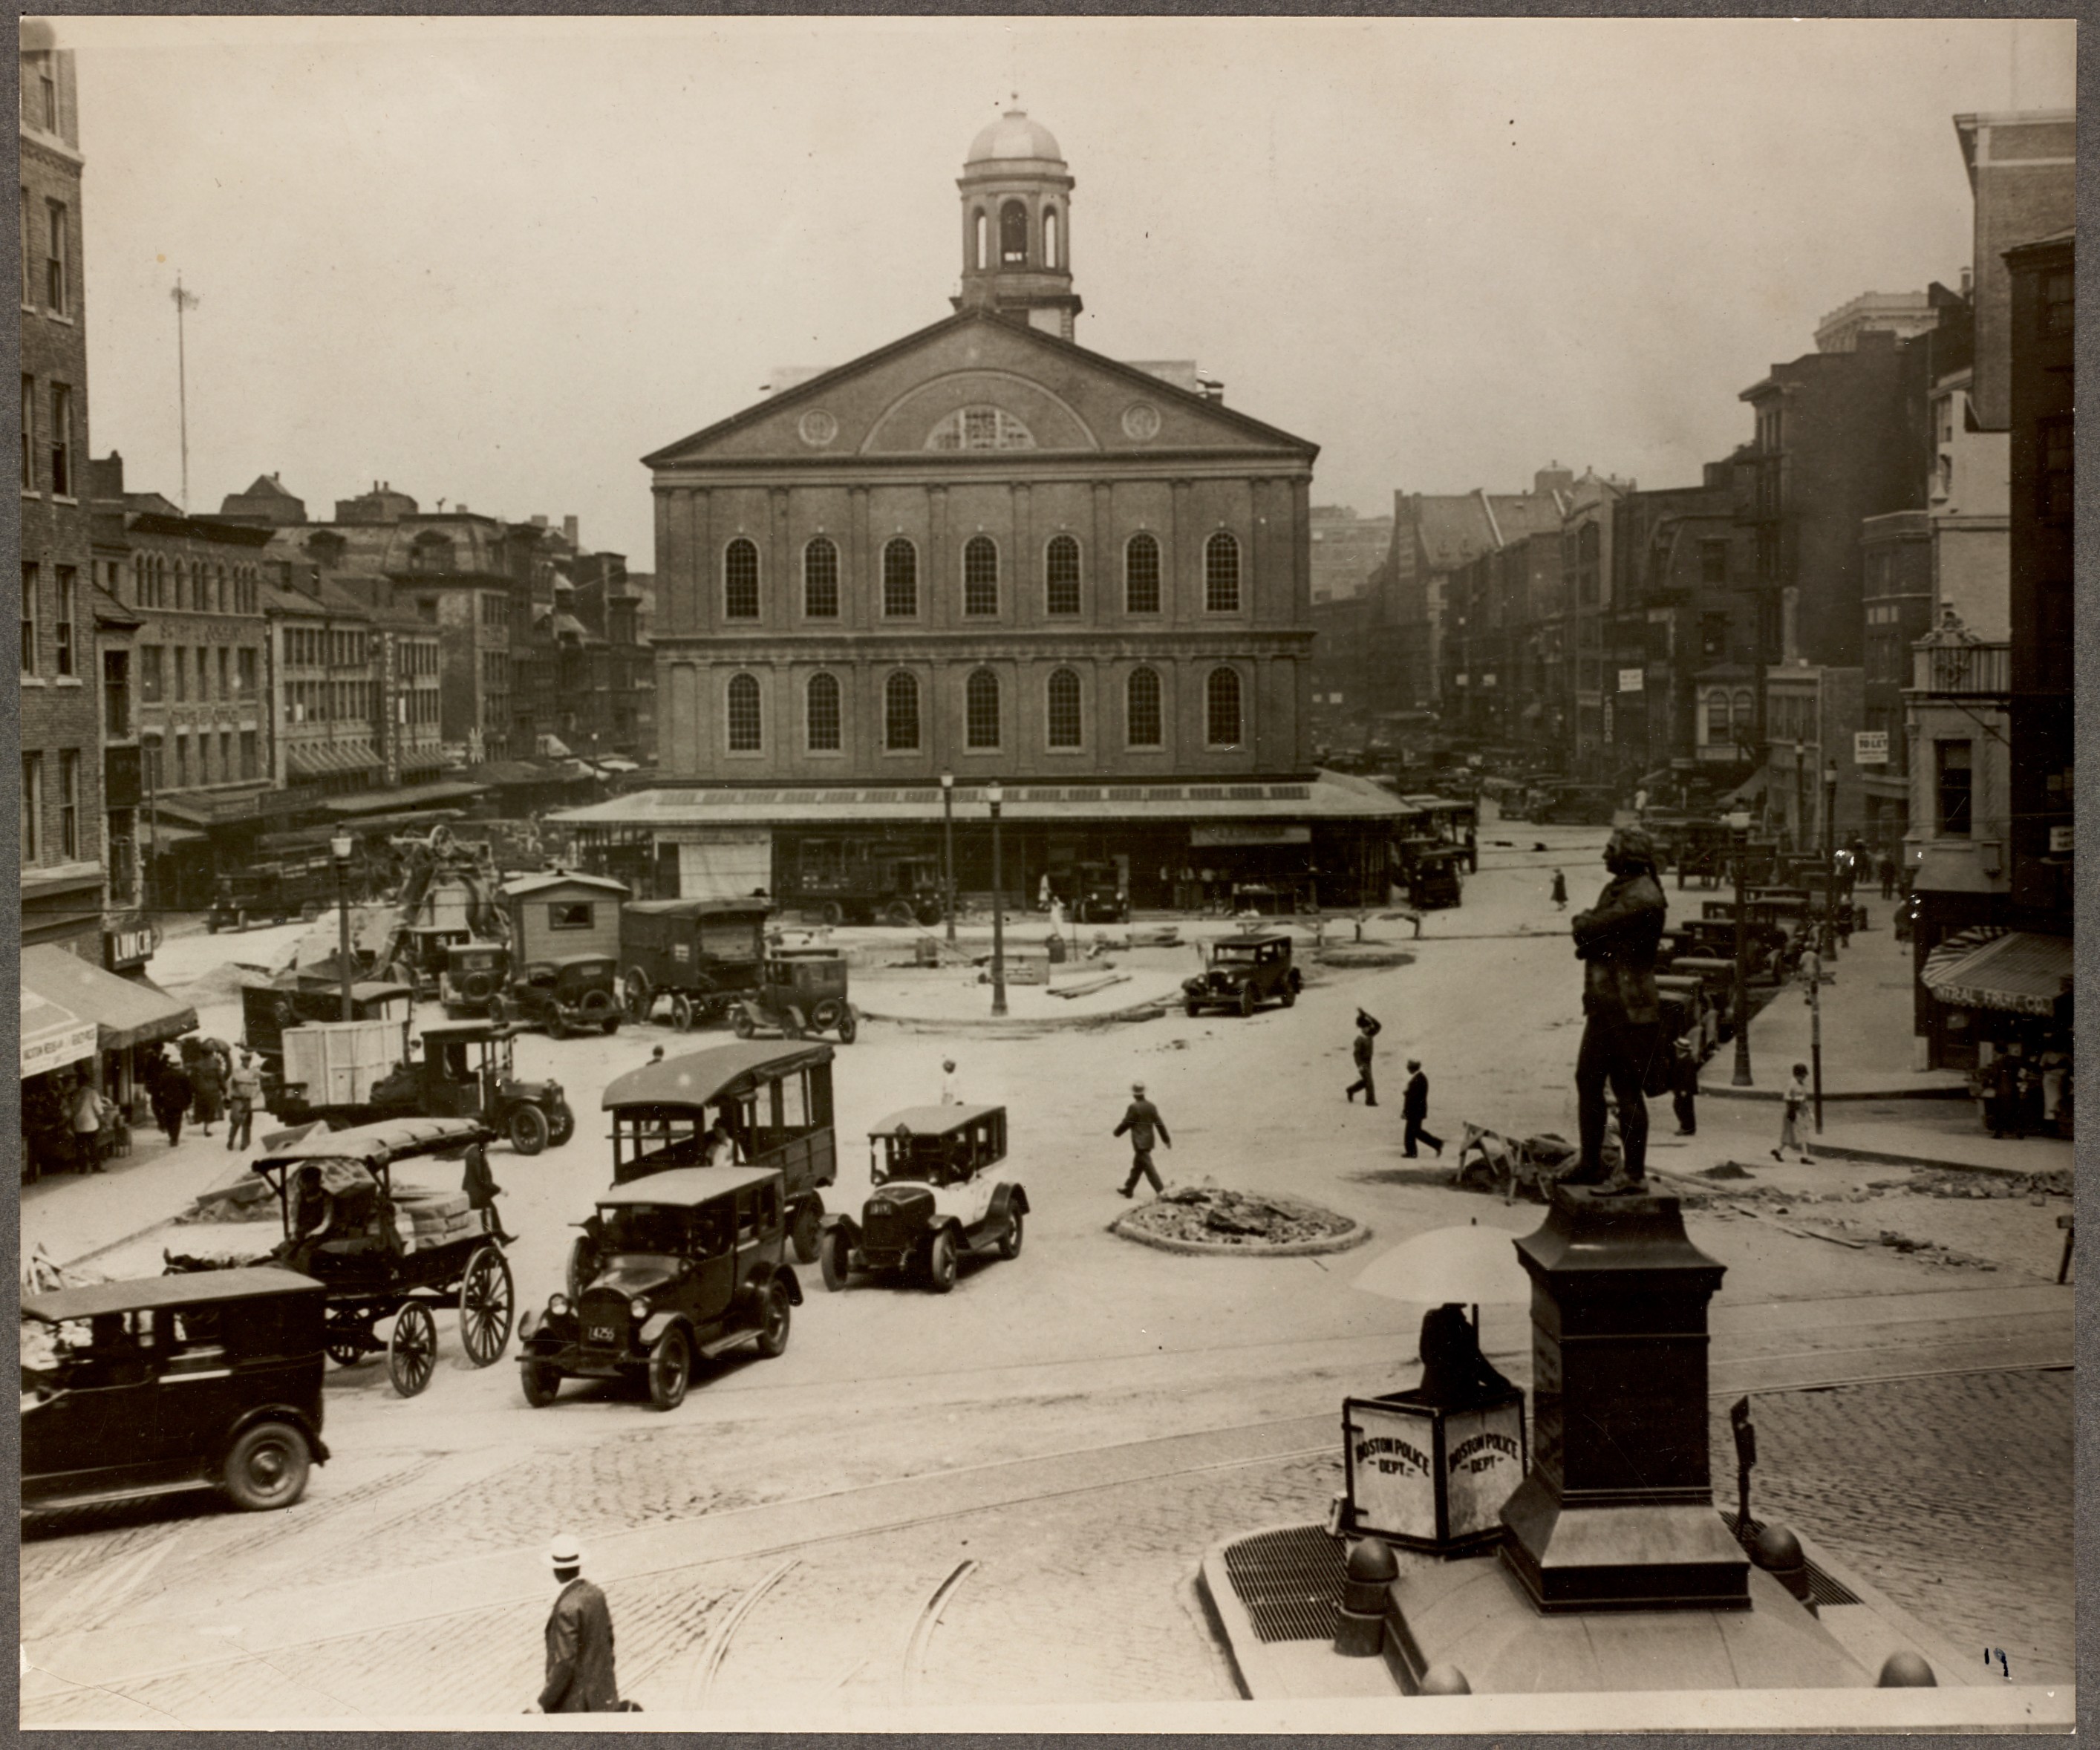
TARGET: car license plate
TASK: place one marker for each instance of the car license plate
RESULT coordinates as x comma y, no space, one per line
601,1333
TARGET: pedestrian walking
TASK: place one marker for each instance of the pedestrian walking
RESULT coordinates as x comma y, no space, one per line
172,1094
1143,1122
1886,870
951,1093
1559,891
579,1664
482,1191
84,1114
1414,1112
1792,1104
1616,940
244,1093
1368,1028
1684,1083
207,1090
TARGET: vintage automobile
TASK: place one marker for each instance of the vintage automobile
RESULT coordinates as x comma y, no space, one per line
175,1383
1245,972
695,957
860,880
1100,895
272,891
774,1102
288,1000
691,1263
422,954
800,990
474,976
579,993
383,1251
940,1191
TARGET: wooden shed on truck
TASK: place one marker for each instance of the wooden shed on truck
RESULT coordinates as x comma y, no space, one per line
555,914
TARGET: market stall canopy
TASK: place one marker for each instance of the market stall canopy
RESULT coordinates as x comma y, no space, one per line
1990,967
408,796
126,1011
52,1037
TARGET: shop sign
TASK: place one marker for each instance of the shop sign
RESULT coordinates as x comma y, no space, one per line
1870,747
1250,832
1632,680
129,945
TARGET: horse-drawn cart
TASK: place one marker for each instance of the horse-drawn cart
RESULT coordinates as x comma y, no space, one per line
385,1252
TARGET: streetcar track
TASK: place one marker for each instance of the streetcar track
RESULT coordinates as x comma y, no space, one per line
921,1640
718,1642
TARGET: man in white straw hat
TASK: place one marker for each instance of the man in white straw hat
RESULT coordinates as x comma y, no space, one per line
579,1677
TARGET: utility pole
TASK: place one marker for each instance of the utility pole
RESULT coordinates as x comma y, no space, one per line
183,301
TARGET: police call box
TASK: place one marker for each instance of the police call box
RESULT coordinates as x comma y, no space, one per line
1426,1477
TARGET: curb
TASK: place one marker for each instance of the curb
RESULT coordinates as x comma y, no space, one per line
1892,1093
1009,1028
1889,1157
1355,1235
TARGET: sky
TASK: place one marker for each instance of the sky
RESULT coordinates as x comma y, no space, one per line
495,262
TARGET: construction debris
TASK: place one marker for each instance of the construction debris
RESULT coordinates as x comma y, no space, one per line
1209,1214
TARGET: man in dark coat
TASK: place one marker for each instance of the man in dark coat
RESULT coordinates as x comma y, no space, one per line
481,1190
1414,1111
1616,939
1684,1082
172,1094
580,1675
1144,1123
1368,1028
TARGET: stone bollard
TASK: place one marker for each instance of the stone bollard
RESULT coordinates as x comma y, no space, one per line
1906,1670
1444,1680
1778,1552
1360,1624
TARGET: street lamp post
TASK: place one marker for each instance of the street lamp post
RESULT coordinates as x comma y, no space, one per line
342,845
995,796
1830,943
1739,824
948,850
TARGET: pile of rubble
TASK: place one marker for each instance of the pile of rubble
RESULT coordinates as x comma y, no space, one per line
1208,1215
1940,1183
245,1200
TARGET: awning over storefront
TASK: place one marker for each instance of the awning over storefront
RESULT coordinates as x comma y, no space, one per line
169,835
125,1012
1991,967
52,1037
409,797
1752,789
324,759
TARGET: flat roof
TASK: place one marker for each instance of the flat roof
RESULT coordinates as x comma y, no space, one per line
930,1121
379,1144
687,1185
715,1073
251,1282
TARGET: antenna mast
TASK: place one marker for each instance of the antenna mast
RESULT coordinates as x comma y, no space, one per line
183,301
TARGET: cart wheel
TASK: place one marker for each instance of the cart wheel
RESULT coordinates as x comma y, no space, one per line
528,1129
640,998
541,1382
848,1027
804,1231
779,1319
670,1369
681,1012
831,912
412,1351
941,1263
266,1467
899,914
742,1025
825,1016
831,1259
485,1306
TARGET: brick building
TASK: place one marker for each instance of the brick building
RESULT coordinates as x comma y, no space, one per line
610,604
324,665
63,875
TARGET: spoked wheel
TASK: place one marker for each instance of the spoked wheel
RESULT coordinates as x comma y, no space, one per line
346,1351
346,1338
412,1351
561,1126
485,1306
941,1263
670,1369
831,912
528,1129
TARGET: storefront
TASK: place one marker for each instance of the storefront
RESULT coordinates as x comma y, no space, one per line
58,1048
1993,989
131,1018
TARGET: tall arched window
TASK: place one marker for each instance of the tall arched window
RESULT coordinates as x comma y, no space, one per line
820,712
1745,715
980,575
1063,714
1141,716
980,710
1140,574
900,580
740,581
181,583
1013,235
747,726
820,579
900,713
983,241
1716,719
1221,708
1061,572
1049,237
1221,574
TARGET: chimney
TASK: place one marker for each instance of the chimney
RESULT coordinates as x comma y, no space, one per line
539,523
569,528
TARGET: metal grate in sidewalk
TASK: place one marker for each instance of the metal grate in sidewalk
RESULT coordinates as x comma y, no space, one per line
1822,1588
1289,1582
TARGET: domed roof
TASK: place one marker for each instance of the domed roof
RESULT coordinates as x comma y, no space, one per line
1013,135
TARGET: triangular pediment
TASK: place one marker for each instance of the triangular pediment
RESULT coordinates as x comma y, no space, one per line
977,383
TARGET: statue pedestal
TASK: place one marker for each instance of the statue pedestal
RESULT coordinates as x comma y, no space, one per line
1618,1511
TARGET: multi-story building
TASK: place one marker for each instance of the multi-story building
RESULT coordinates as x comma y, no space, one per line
123,771
2022,170
988,552
265,504
608,604
326,699
1811,714
63,875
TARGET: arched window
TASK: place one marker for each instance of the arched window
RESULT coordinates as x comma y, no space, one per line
1221,574
1716,719
980,709
746,728
1049,237
820,579
820,712
1061,570
900,579
1063,718
1141,714
1013,235
900,713
1221,708
983,228
1140,575
1745,715
181,583
740,581
980,575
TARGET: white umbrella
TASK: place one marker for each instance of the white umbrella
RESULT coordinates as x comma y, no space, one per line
1474,1265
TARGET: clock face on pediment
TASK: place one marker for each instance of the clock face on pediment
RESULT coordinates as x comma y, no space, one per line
977,385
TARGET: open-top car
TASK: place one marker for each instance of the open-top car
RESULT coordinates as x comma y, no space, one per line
578,993
942,1189
689,1263
173,1382
1245,972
